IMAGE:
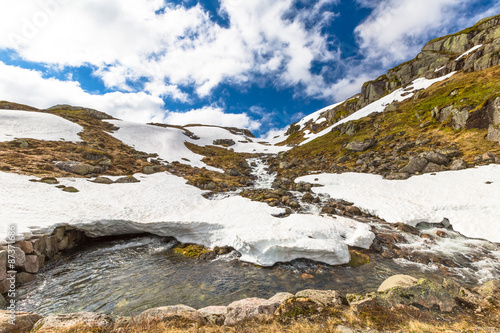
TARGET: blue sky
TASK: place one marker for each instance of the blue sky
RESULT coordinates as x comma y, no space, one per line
259,64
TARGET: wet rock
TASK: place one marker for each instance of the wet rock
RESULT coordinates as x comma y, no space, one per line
397,281
24,322
248,308
23,278
168,313
215,315
329,298
416,164
65,321
127,180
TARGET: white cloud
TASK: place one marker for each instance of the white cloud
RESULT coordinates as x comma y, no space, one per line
127,40
397,29
29,87
212,116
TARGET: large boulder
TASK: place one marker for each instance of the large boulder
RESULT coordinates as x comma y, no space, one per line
435,157
397,281
249,308
23,322
359,146
169,313
423,294
215,315
328,298
68,320
416,164
78,168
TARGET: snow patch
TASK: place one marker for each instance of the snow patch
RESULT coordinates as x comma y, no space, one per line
466,198
469,52
162,204
379,105
16,124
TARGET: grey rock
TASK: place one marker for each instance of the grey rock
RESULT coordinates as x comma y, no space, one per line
24,322
168,313
398,176
19,257
148,170
215,315
280,298
76,167
433,167
416,164
359,146
435,157
102,180
329,298
494,133
26,246
32,264
233,173
397,281
3,265
3,303
458,164
247,309
127,180
64,321
23,278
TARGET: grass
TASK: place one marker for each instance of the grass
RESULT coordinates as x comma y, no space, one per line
412,120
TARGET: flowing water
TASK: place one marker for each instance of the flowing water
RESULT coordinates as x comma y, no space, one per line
128,276
124,277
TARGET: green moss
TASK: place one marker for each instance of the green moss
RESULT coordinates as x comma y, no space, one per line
358,259
191,250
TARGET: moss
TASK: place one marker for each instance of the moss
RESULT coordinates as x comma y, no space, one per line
358,259
191,250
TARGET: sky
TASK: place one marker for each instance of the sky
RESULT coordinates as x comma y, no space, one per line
256,64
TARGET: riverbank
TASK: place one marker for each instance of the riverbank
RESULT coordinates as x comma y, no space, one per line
401,304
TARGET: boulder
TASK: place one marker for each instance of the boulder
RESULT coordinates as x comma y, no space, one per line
65,321
24,322
3,265
19,256
249,308
458,164
280,298
102,180
32,264
328,298
127,180
215,315
423,294
26,246
359,146
494,133
433,167
23,278
168,313
224,142
3,303
435,157
76,167
416,164
397,281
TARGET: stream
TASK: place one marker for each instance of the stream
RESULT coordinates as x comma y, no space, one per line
128,276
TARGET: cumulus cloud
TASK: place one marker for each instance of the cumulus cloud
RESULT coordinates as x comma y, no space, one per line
212,115
172,46
397,29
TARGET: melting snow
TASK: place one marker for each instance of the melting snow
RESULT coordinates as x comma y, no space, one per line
464,197
379,105
37,125
163,204
469,52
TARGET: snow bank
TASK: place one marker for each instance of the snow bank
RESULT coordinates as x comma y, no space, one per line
464,197
379,105
168,142
36,125
208,134
163,204
469,52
